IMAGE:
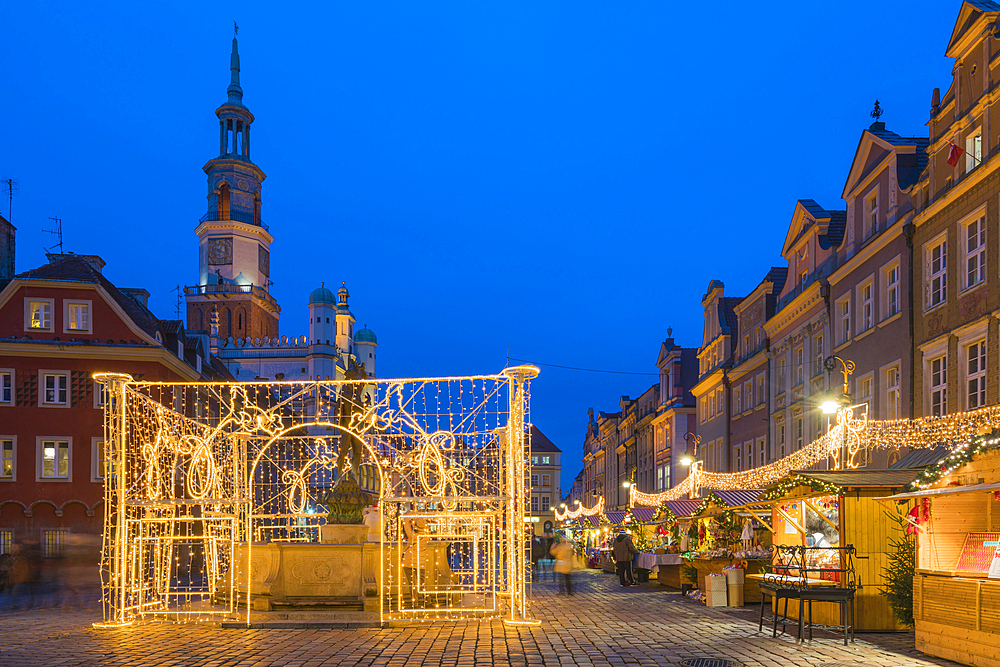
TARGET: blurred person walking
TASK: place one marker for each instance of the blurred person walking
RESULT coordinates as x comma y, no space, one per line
563,552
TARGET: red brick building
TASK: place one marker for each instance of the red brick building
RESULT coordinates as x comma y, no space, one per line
59,324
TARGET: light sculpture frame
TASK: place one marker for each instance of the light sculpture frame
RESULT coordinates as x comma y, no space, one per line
198,473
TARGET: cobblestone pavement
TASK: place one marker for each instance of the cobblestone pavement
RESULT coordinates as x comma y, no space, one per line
602,625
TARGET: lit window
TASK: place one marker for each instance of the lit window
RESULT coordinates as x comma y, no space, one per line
54,542
892,290
973,150
79,316
892,393
54,389
546,480
534,460
6,541
7,458
534,480
939,386
977,375
546,460
55,459
659,478
975,252
101,467
41,314
6,386
937,262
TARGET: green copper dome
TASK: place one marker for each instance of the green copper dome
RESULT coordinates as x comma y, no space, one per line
322,295
365,335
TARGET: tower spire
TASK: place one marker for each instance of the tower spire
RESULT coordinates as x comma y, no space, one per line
235,92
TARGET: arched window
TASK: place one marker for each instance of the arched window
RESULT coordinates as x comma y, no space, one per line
199,319
256,208
226,323
224,201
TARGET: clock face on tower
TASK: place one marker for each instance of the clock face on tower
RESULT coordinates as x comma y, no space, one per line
220,251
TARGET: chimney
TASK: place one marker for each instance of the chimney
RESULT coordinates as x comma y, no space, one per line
6,249
93,260
137,293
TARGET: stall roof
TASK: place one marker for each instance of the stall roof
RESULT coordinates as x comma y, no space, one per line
644,514
943,491
735,498
921,458
593,521
682,507
615,518
856,477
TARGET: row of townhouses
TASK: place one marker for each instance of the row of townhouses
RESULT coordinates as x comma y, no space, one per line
899,278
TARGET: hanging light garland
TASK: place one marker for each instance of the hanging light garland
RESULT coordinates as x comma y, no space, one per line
788,484
580,511
959,456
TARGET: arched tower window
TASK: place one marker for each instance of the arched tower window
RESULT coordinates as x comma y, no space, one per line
224,201
256,208
226,323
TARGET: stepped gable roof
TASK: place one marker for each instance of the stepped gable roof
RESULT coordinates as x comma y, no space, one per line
74,269
540,443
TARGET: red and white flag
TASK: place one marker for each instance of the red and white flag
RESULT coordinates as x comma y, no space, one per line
954,155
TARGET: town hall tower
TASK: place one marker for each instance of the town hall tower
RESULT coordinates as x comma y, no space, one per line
233,241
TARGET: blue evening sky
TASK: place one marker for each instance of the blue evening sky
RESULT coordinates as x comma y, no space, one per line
561,177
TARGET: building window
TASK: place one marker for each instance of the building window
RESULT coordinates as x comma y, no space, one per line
975,252
534,460
7,465
76,316
739,459
659,478
39,314
6,541
937,272
892,393
746,344
761,452
818,355
54,388
534,503
871,214
737,401
864,386
7,386
781,441
973,150
54,455
99,461
939,386
749,456
758,336
977,375
54,542
891,278
704,409
844,320
748,394
760,390
798,433
545,503
719,400
866,301
534,480
546,460
800,355
546,480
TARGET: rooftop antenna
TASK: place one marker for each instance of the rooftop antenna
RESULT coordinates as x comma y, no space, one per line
11,186
57,232
180,299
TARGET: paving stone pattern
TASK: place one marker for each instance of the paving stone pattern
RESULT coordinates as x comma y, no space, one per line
602,625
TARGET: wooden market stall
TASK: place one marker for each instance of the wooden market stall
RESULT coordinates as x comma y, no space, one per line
956,585
838,508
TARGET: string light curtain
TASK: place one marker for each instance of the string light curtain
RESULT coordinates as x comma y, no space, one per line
200,475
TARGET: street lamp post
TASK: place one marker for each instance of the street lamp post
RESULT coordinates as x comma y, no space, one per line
839,404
